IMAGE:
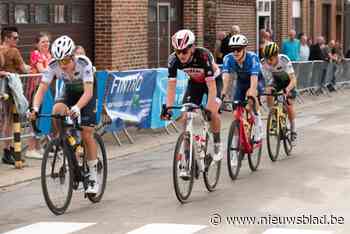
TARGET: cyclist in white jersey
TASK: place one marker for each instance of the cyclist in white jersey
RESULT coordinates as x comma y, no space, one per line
77,98
278,69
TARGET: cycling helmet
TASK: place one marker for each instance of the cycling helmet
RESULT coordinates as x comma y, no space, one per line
183,39
62,47
238,41
271,50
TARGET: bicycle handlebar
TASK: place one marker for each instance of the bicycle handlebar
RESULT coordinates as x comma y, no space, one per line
53,116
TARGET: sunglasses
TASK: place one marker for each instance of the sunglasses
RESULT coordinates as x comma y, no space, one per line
15,38
184,51
65,61
238,49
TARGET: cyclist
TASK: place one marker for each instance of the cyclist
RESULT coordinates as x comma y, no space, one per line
204,78
250,81
77,99
279,69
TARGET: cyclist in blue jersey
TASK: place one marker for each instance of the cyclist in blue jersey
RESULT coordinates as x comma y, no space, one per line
250,81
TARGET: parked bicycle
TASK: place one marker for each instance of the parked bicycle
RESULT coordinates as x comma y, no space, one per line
278,128
193,154
64,166
241,140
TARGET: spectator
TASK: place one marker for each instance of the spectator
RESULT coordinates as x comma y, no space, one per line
304,48
224,45
291,47
14,64
39,62
316,51
219,56
79,50
265,38
333,60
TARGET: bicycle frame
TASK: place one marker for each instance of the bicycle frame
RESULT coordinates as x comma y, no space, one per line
279,108
190,116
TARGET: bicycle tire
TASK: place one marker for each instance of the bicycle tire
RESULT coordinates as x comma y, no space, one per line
254,165
182,197
233,172
287,140
211,186
273,155
102,164
48,199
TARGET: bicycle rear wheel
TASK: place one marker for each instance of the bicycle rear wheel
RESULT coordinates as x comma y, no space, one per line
273,136
234,154
211,175
183,185
56,178
101,170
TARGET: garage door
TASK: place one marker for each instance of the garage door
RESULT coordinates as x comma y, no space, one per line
57,17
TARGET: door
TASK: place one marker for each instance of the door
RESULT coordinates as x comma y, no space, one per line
164,35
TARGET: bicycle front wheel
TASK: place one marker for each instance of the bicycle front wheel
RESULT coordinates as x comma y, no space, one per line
287,138
255,157
234,154
183,168
273,136
211,174
56,178
101,170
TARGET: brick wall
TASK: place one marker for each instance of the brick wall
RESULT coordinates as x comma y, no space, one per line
121,34
222,14
284,22
194,18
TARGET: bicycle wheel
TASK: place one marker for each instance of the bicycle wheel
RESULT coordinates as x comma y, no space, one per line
234,154
287,137
273,136
183,185
255,157
56,178
211,175
101,170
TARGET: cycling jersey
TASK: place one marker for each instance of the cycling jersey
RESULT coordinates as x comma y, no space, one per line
250,67
83,73
281,71
199,68
73,89
278,75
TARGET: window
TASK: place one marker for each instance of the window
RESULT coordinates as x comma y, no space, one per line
41,14
77,14
296,16
21,14
163,14
60,14
4,14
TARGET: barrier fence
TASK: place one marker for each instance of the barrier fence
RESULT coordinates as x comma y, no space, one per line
135,97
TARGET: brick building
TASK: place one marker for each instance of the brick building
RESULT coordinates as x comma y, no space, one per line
129,34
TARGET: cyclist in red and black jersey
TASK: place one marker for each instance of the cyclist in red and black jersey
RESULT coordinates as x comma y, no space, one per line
204,78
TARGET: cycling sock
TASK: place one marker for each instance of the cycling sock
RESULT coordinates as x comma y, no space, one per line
92,163
216,136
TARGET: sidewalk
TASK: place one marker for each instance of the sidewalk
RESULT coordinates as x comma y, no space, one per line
145,139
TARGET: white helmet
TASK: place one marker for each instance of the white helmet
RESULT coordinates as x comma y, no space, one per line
183,39
238,41
62,47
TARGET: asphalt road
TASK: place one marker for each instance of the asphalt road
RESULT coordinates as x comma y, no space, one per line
310,187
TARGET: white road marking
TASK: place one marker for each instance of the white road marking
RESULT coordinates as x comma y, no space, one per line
161,228
294,231
50,227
